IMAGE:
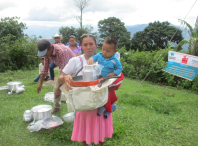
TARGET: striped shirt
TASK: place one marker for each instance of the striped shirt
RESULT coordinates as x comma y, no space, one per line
60,56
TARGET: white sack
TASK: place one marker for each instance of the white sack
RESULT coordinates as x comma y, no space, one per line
87,98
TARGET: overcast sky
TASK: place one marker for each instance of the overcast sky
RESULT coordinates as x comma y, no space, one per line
131,12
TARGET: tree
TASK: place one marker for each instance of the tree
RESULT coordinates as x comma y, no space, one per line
193,42
113,26
67,31
10,26
155,36
81,4
141,41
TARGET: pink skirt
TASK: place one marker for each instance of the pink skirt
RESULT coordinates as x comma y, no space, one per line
90,127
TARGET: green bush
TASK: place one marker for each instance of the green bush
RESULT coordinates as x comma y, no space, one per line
18,54
136,65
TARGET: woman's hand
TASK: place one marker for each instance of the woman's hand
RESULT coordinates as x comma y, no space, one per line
90,61
67,79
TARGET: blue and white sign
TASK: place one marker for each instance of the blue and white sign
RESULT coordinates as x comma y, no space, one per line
182,65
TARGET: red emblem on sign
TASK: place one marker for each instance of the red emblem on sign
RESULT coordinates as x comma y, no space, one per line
184,60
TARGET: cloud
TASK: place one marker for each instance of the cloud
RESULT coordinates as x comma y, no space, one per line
5,5
110,5
62,12
46,14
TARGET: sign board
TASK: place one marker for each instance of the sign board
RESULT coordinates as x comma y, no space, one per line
182,65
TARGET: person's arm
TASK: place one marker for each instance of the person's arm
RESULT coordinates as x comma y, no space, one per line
44,73
118,67
111,74
67,58
70,69
79,51
41,83
65,79
93,59
96,57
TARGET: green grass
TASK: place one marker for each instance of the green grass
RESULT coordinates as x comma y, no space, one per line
155,115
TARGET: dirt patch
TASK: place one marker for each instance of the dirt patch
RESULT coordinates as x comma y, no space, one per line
56,68
50,82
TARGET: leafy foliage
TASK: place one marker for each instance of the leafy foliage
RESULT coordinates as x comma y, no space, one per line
155,36
18,54
137,64
193,42
67,31
10,25
113,26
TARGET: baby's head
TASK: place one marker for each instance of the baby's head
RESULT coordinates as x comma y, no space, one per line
109,47
42,60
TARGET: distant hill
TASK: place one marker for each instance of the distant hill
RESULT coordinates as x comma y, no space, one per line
135,28
48,31
44,31
140,27
51,40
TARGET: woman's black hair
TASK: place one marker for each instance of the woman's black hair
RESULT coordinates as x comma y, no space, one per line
111,40
88,35
72,36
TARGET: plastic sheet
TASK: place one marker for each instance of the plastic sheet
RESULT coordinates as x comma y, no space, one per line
52,122
47,123
49,97
4,88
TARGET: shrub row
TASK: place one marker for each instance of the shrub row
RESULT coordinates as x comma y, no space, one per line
137,64
18,54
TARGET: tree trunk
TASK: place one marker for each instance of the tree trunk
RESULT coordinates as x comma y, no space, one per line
81,19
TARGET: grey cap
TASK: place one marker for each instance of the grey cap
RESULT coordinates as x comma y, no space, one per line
43,45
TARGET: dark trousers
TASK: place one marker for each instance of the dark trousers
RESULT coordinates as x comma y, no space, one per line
38,78
52,66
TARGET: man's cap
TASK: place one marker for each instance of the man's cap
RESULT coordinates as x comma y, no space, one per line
43,45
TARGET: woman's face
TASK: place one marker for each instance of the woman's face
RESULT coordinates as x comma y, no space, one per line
72,41
89,46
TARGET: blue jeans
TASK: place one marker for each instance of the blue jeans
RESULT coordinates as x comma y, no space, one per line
52,66
38,78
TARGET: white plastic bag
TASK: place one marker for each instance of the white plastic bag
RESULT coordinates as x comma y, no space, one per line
50,97
87,98
47,123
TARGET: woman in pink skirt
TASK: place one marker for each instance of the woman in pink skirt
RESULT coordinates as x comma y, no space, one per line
88,127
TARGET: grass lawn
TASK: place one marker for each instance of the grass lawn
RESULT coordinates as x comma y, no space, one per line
155,115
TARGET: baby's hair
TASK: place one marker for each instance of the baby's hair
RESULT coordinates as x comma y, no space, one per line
111,40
